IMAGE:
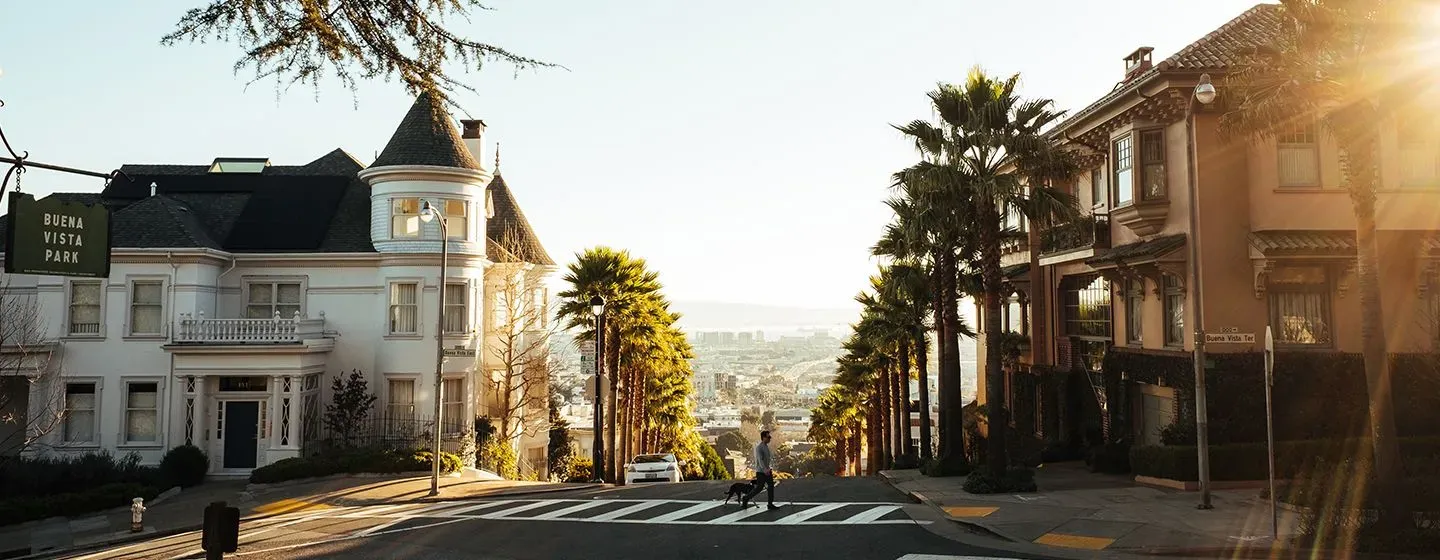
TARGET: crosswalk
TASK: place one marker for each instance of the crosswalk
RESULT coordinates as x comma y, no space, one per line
661,512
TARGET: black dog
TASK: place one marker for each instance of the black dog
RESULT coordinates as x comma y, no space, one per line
738,491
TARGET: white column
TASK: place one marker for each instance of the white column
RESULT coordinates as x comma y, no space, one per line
297,383
274,417
201,426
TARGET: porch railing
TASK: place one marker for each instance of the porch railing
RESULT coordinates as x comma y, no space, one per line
197,328
1086,232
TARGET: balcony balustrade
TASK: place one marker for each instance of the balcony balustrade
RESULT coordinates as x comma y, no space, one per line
198,329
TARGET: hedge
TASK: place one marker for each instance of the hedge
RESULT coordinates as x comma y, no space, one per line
1249,461
383,461
28,508
1318,395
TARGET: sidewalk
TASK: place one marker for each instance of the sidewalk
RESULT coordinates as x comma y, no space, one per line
1077,509
183,511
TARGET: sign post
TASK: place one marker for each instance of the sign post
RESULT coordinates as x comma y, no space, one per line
1270,427
57,238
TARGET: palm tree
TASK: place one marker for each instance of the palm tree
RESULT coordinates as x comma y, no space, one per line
1350,65
928,229
980,155
908,287
624,282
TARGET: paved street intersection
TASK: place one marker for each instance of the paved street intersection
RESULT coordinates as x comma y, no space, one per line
843,518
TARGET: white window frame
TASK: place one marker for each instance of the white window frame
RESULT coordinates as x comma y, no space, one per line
124,435
1284,140
394,214
446,402
1115,161
463,307
1172,287
247,281
457,225
419,307
99,384
130,283
70,303
1099,195
414,380
1135,311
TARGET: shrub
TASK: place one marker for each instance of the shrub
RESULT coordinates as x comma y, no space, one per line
353,462
185,465
983,481
28,508
498,456
580,470
939,468
45,476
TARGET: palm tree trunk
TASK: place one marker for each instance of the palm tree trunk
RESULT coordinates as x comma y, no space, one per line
995,457
907,448
883,418
855,449
1384,437
628,401
943,383
926,452
611,465
952,425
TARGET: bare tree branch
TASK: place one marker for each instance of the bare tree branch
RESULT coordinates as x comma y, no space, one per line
520,345
32,394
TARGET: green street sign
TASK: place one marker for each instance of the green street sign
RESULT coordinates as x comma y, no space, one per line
57,238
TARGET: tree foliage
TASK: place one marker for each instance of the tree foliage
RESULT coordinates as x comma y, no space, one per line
350,403
305,41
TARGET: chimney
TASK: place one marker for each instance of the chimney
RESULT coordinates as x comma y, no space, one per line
1137,62
473,133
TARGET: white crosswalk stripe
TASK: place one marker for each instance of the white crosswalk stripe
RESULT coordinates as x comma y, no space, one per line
659,512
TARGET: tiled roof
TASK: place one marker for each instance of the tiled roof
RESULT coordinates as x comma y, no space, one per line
1291,242
1139,251
1214,52
1015,271
426,137
509,233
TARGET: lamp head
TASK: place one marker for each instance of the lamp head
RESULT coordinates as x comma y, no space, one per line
427,212
1205,90
597,305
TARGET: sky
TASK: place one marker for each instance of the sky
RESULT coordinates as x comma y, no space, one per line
742,148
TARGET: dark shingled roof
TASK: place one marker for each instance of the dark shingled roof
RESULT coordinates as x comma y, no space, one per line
426,137
509,234
1215,52
1139,251
1015,271
159,221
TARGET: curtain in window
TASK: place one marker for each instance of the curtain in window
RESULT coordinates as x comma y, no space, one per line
1300,317
79,413
404,313
402,398
142,413
1174,318
453,404
262,300
145,309
85,308
456,319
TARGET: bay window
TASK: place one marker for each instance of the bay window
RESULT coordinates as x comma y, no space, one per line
405,218
1124,178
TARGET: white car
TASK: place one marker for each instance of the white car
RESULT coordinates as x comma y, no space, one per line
653,467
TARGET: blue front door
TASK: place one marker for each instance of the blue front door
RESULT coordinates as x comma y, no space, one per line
242,423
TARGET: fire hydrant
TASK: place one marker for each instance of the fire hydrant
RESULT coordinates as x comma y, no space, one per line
137,512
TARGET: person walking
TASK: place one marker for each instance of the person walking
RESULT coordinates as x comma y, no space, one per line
764,474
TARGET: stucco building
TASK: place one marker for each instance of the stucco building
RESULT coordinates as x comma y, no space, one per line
238,289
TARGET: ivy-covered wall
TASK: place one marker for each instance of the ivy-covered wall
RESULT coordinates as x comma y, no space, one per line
1317,395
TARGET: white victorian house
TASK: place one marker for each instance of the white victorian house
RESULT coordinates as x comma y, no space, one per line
238,289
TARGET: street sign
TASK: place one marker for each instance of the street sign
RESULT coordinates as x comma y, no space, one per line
1230,338
459,352
57,238
587,358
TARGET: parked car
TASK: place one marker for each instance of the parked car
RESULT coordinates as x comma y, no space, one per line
653,467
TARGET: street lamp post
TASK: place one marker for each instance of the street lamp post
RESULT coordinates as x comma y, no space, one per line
597,456
1204,95
429,213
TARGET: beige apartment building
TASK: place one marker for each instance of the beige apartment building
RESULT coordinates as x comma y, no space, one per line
1105,301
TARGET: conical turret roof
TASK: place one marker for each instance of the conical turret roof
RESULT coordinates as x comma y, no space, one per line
426,136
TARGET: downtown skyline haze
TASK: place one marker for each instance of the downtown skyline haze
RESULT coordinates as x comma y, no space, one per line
743,149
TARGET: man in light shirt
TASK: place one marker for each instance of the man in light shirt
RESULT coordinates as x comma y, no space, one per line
764,475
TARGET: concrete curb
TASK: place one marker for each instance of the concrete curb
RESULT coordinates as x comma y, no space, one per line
128,538
920,498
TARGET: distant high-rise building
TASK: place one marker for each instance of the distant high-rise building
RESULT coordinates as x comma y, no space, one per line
727,338
759,336
745,338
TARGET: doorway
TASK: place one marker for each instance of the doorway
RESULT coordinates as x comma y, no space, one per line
241,433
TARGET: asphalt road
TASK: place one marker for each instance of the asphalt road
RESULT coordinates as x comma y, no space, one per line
839,518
